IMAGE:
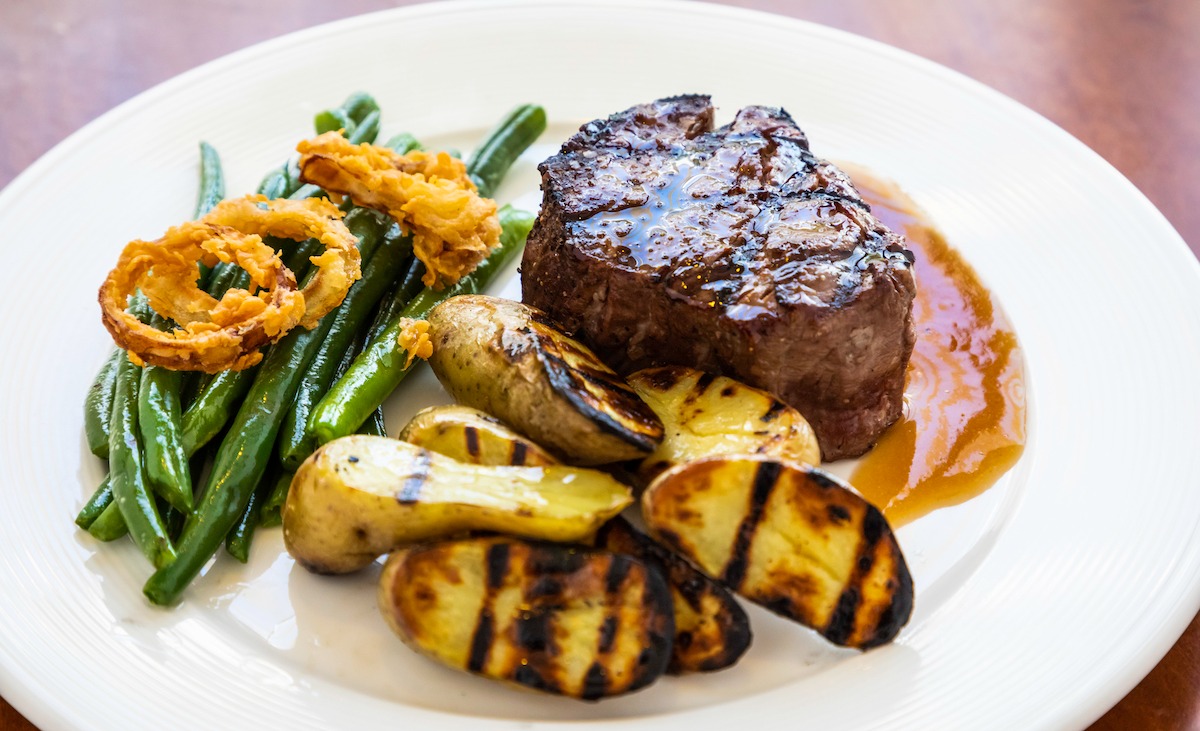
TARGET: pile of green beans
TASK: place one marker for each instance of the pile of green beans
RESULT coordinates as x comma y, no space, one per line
159,428
172,438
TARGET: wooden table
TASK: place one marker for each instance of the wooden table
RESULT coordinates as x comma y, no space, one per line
1121,75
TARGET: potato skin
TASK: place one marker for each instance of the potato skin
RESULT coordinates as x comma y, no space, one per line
470,435
565,620
789,537
705,415
359,497
712,630
508,360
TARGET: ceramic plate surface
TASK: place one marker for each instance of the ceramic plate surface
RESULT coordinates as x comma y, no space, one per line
1038,604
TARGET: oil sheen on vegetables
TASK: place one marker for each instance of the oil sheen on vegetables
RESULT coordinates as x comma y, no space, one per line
964,405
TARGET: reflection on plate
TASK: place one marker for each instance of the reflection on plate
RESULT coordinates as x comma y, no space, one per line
1038,604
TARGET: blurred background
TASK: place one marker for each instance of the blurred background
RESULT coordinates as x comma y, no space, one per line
1123,76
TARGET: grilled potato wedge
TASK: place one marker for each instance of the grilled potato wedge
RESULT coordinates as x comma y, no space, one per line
789,537
712,630
572,621
470,435
508,360
359,497
706,415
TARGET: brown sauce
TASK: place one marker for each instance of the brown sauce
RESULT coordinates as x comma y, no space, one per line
964,400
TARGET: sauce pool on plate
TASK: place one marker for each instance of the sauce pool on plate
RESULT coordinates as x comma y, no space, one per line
964,398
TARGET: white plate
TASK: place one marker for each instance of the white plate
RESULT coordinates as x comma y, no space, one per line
1038,605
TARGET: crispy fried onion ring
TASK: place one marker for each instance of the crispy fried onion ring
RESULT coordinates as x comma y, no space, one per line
429,195
226,334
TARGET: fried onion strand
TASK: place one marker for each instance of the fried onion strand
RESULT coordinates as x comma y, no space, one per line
428,194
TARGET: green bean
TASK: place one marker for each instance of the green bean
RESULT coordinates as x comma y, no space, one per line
97,406
131,495
295,444
237,543
96,505
503,145
348,116
375,425
274,185
377,371
389,309
359,105
404,143
207,415
224,276
160,409
212,180
308,190
241,460
291,175
271,513
160,419
140,309
109,525
394,302
367,130
333,120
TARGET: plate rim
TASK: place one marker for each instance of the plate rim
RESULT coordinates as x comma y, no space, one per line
17,685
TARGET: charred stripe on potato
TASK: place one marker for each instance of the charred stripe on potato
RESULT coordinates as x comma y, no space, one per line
506,359
592,387
712,630
766,474
577,622
410,492
471,438
790,538
705,415
470,435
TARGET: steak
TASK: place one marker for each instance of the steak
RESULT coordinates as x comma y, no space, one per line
662,241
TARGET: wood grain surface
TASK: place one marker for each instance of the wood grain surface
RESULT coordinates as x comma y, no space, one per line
1123,76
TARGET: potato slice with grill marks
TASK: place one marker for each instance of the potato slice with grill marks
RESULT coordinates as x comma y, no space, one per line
712,630
705,415
470,435
508,360
571,621
789,537
359,497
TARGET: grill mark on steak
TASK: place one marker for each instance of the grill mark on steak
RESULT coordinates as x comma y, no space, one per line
736,250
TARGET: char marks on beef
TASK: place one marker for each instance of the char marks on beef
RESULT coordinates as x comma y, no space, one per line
663,241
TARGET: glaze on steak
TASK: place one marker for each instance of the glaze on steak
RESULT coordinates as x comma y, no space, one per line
663,241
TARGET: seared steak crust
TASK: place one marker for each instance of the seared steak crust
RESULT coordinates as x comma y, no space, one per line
662,241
